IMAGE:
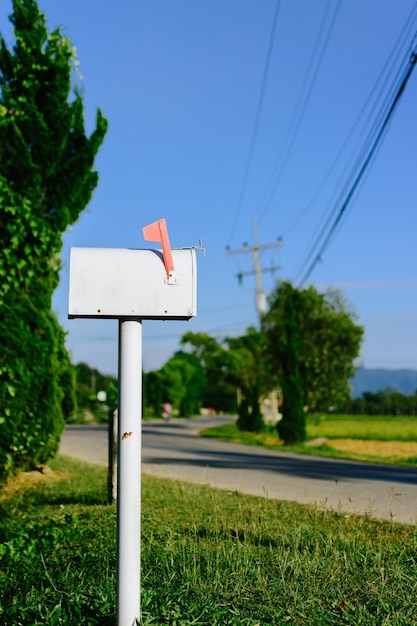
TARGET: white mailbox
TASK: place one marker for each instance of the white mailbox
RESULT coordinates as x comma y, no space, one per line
124,283
132,285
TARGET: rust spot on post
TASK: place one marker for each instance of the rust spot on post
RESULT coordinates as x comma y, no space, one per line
127,435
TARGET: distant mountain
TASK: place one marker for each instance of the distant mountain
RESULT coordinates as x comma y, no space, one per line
380,379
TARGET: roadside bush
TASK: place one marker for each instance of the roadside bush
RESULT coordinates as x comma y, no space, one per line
35,389
47,178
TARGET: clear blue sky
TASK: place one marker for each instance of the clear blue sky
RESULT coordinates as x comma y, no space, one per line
182,84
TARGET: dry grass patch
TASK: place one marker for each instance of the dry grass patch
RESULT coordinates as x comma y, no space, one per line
383,449
23,482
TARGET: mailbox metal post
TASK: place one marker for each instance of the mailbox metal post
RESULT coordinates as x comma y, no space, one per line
129,472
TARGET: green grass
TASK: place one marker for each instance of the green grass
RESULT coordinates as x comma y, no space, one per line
361,427
209,557
377,428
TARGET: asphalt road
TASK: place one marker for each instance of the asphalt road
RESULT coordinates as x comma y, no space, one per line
174,450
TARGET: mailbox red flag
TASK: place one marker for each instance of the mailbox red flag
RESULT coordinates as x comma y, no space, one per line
157,231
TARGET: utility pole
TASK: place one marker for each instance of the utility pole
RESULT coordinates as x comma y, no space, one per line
257,271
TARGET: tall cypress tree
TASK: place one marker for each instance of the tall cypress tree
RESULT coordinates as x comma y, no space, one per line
292,427
47,178
312,340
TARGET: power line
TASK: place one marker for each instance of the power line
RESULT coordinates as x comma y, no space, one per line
362,167
376,94
379,97
308,83
257,119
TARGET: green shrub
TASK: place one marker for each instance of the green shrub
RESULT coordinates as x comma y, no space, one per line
46,180
35,389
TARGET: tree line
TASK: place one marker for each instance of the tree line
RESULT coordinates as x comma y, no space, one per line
305,348
169,383
384,402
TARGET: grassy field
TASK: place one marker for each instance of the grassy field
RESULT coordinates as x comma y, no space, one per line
209,557
378,428
378,439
